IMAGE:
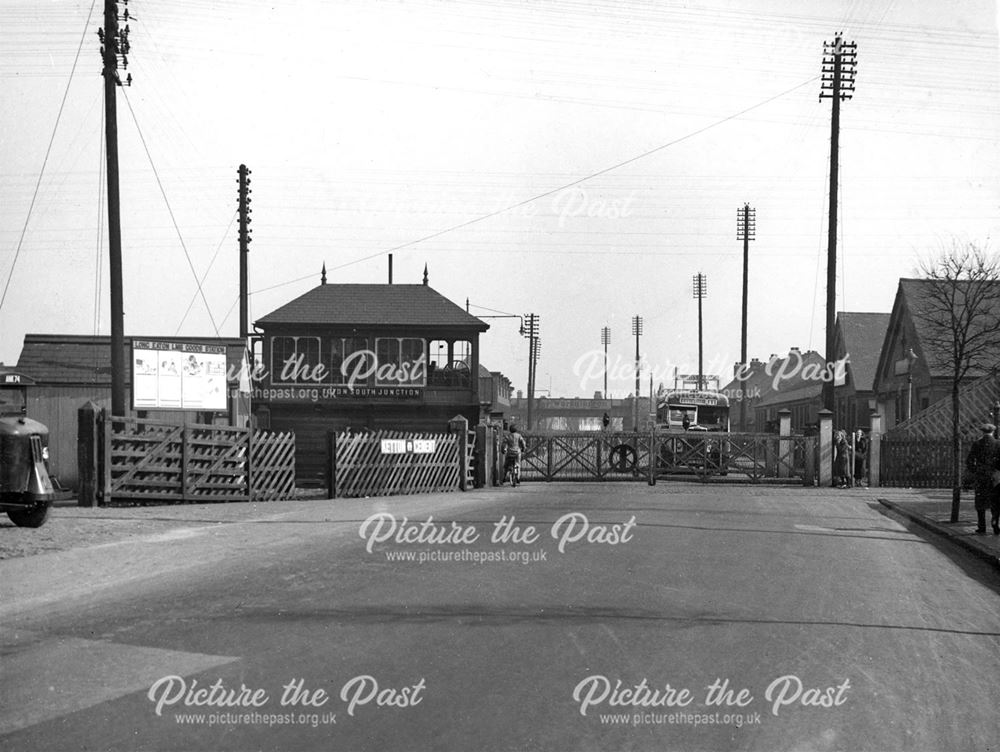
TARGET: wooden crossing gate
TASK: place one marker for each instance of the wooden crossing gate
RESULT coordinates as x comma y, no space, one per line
385,463
647,456
147,460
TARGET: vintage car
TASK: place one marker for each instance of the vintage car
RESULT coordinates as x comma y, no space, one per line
26,490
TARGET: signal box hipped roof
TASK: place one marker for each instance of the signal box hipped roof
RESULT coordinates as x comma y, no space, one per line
373,305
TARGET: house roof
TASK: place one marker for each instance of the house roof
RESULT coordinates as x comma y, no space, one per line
863,334
373,305
85,359
912,296
780,379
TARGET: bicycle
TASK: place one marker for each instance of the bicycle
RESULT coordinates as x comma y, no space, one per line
512,470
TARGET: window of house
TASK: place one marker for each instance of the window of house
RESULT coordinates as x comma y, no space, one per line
295,360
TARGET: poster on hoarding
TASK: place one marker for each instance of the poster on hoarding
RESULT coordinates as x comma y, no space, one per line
178,376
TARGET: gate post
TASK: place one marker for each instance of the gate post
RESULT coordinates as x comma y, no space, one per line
875,452
825,448
460,425
87,452
784,443
653,455
484,451
105,429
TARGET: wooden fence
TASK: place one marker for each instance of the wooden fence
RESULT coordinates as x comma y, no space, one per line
140,460
385,463
918,463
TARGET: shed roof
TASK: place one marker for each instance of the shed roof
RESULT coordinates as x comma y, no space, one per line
373,304
86,359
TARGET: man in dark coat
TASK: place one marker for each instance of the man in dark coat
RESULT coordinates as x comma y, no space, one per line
982,462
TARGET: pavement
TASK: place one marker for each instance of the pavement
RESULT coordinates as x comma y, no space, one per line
931,509
70,526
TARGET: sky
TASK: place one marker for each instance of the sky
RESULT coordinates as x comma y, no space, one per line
580,160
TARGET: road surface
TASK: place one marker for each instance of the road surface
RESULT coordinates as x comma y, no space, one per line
611,616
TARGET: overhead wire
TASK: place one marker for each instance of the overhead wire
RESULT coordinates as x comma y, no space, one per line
205,275
553,191
100,231
45,160
170,211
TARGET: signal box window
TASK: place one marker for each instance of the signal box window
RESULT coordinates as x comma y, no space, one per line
401,362
294,360
346,350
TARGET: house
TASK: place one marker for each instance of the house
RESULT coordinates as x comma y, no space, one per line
792,382
494,394
365,356
859,338
912,371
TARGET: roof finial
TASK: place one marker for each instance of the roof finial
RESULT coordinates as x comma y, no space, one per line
425,273
322,276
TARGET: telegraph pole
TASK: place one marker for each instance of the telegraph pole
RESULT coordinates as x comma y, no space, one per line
840,60
637,332
746,231
605,340
535,351
530,330
700,291
114,45
244,213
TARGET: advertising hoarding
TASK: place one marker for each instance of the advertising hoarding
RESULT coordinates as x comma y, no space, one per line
178,376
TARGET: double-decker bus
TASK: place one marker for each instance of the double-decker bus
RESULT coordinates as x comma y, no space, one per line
693,410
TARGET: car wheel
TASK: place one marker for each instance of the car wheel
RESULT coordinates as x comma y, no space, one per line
33,517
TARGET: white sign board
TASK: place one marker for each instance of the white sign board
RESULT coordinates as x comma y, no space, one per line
178,376
409,446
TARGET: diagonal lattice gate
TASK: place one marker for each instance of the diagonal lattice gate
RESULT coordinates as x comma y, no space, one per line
704,455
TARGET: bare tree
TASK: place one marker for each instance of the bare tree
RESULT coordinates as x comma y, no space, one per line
960,313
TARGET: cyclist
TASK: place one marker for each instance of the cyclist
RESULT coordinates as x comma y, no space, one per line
513,446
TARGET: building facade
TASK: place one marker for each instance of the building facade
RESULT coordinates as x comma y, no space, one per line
859,339
364,357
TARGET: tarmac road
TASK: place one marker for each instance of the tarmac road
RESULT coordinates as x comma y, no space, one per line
680,616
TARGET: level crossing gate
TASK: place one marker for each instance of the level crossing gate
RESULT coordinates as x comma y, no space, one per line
603,456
